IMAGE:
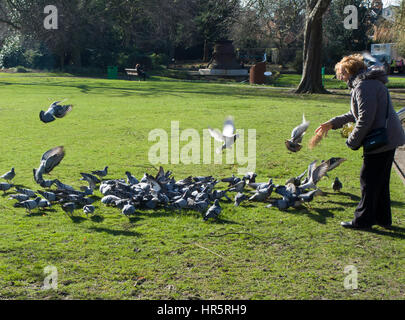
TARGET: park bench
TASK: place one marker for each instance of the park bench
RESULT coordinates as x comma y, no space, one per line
131,72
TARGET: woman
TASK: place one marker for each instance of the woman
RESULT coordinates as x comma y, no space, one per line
369,103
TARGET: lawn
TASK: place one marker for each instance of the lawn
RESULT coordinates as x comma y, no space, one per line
250,252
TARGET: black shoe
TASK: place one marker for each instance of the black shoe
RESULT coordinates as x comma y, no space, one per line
350,225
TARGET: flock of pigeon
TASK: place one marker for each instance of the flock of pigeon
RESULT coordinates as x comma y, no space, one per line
163,191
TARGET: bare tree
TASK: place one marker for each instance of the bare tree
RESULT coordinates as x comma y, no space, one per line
311,81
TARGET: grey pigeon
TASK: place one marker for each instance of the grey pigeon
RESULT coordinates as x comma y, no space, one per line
262,194
55,110
5,186
19,197
297,134
29,204
213,211
251,177
128,210
239,187
50,196
28,192
88,209
91,179
335,162
337,185
101,173
239,198
43,203
63,186
49,161
315,173
296,180
8,176
228,135
69,207
281,204
131,179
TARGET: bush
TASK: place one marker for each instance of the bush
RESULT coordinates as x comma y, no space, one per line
298,61
158,60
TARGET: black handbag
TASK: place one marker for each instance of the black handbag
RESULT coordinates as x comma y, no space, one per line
377,138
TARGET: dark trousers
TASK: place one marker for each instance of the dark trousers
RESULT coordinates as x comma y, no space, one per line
375,204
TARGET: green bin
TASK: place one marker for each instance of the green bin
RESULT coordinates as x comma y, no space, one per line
112,72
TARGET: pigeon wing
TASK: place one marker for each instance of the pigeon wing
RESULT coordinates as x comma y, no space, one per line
52,158
216,134
61,111
319,172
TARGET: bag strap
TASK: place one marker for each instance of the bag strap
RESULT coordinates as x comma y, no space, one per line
388,108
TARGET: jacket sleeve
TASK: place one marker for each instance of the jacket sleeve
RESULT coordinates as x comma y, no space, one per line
366,99
339,121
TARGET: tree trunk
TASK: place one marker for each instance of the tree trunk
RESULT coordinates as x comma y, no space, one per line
206,51
311,81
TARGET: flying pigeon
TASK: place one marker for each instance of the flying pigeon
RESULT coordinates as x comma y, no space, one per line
55,110
49,161
228,135
213,211
296,136
337,185
315,173
334,162
8,176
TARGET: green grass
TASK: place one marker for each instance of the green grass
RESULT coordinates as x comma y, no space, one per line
292,80
251,252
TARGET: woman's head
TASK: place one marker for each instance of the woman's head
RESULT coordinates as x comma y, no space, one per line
349,66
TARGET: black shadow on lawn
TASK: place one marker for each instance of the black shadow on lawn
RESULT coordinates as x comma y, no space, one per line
97,218
116,232
394,232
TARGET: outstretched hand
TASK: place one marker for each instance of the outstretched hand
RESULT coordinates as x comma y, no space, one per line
323,129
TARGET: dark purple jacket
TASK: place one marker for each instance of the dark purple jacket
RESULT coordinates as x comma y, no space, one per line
369,102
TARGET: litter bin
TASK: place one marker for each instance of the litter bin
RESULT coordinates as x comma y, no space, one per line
112,72
257,73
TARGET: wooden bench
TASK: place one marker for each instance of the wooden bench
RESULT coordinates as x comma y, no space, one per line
131,72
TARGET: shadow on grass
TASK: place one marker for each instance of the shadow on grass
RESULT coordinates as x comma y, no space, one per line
97,218
394,232
322,214
116,232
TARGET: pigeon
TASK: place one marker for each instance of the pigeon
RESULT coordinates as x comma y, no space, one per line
260,185
251,177
88,209
239,198
5,186
43,203
55,110
128,210
281,204
92,180
296,136
19,197
8,176
262,194
29,204
231,180
315,173
228,135
296,180
50,196
131,179
101,173
49,161
63,186
28,192
213,211
334,162
239,187
337,185
69,207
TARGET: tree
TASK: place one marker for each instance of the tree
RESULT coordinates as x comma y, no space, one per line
311,81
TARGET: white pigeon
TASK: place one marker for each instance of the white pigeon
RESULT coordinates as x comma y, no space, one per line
228,135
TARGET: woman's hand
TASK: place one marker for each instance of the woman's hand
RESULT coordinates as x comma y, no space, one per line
323,129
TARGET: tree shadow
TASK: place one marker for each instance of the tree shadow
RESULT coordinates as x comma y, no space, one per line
77,219
116,232
97,218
